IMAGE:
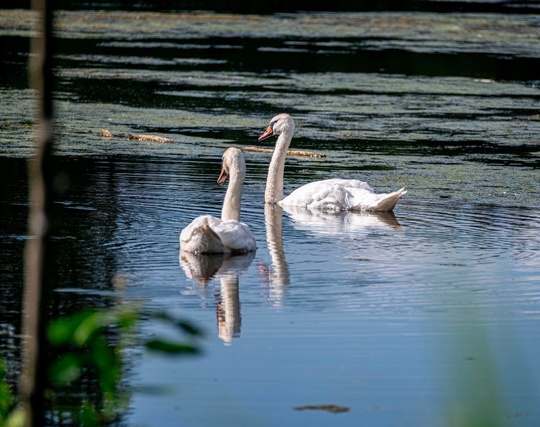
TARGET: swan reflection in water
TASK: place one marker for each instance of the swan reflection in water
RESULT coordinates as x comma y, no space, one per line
226,267
319,222
276,275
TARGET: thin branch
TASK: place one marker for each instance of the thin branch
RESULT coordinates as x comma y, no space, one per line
37,251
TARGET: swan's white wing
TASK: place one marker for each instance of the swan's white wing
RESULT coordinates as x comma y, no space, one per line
341,194
364,200
209,235
349,183
187,232
235,235
329,195
199,236
316,195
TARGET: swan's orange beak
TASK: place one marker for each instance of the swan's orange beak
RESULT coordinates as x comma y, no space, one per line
267,133
222,176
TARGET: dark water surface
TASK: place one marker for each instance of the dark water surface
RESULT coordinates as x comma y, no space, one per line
427,316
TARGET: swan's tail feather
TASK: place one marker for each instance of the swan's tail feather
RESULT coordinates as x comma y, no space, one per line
387,202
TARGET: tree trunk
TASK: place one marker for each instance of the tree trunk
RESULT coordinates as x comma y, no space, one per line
38,267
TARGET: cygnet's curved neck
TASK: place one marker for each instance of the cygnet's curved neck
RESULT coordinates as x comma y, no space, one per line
274,182
233,197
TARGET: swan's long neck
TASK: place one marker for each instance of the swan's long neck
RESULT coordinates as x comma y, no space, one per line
233,197
274,182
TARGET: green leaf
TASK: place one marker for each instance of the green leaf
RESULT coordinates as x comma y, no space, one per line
90,326
128,317
62,331
16,418
189,328
6,399
66,369
183,325
2,369
169,347
107,361
88,416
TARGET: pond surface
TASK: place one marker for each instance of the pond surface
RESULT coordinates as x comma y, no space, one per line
427,316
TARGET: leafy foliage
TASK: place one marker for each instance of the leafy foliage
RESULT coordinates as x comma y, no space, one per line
9,415
6,400
83,342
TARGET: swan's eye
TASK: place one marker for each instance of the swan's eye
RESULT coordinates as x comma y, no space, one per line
272,124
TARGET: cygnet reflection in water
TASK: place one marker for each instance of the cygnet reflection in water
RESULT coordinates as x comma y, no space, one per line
226,268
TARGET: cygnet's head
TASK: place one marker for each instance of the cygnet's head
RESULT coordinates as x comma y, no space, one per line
279,124
233,159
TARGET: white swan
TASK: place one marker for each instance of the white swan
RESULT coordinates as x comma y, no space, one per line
209,235
330,194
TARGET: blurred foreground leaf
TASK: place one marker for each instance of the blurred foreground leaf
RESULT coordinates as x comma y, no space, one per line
6,399
16,418
88,416
93,341
182,324
63,331
66,369
169,347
